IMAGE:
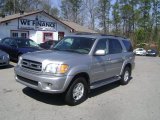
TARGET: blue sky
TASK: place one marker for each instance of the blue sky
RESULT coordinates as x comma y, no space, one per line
56,3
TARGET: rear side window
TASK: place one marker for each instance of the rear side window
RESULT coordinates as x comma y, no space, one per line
6,41
114,46
128,45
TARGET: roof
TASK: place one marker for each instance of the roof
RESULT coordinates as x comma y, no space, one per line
74,26
77,27
18,15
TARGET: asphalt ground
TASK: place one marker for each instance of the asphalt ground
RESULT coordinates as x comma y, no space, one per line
139,100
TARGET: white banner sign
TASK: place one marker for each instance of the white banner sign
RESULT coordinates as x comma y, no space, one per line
36,25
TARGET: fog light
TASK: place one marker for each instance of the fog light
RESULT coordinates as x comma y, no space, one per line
49,85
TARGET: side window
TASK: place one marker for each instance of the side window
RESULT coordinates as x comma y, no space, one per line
13,43
128,45
114,46
66,44
6,42
102,45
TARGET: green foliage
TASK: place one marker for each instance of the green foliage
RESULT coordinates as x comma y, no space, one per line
116,17
140,36
103,11
15,6
71,9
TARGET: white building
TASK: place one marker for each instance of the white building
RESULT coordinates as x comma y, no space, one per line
38,26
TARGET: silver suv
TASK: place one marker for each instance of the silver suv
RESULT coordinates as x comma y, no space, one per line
77,64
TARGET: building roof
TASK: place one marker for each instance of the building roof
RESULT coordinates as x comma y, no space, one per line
16,16
77,27
74,26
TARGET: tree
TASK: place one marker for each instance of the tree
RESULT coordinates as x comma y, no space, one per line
116,17
156,14
145,21
46,5
128,10
91,8
71,10
104,14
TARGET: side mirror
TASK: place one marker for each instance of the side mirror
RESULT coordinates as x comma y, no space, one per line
100,53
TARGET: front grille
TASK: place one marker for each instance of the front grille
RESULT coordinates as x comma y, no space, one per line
27,80
2,63
32,65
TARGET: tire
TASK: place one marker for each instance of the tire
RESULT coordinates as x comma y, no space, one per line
71,98
126,76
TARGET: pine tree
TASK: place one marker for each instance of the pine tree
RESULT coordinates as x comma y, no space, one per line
116,17
103,12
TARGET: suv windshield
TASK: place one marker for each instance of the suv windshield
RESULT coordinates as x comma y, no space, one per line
80,45
26,43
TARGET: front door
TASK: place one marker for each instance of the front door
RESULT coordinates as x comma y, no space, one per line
100,63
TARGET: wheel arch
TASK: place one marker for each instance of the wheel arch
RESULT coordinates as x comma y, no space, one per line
126,65
81,74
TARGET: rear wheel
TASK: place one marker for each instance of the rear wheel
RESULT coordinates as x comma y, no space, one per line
125,78
77,92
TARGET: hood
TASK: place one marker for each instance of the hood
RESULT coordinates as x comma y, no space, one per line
29,49
3,53
55,56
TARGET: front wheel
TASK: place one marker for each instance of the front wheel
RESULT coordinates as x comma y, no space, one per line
126,76
77,92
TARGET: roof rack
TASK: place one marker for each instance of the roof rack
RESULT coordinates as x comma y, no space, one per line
85,33
114,36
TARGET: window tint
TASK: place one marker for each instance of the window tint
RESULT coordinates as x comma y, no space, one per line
114,46
6,41
13,43
80,45
26,43
102,45
128,45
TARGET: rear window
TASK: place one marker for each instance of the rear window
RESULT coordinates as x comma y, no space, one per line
128,45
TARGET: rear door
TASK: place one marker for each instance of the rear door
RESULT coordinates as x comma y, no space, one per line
115,57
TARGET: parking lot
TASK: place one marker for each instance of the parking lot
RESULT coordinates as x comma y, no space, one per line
139,100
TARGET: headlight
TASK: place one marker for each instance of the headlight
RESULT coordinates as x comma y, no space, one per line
8,56
19,60
56,68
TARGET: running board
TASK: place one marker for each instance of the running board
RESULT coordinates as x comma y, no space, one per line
104,82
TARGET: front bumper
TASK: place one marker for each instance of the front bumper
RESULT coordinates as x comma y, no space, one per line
41,82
